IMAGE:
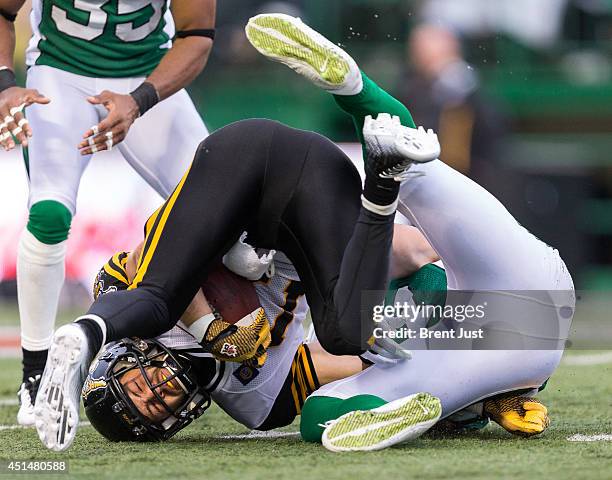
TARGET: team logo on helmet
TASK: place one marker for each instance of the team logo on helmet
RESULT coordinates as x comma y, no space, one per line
92,384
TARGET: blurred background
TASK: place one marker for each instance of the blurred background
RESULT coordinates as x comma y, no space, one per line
520,92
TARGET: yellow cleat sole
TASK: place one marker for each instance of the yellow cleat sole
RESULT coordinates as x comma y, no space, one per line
286,39
364,430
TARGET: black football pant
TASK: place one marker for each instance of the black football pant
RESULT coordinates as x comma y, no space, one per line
293,191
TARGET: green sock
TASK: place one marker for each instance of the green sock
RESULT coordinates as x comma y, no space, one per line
318,409
372,100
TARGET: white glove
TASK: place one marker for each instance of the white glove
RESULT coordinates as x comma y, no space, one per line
390,351
387,350
242,259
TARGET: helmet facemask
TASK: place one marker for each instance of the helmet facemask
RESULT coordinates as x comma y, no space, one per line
150,359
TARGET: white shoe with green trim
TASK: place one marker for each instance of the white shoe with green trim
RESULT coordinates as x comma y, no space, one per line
396,422
288,40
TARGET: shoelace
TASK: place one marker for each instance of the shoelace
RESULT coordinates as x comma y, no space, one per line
27,385
401,176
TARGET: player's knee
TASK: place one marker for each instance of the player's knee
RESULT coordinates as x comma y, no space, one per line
49,222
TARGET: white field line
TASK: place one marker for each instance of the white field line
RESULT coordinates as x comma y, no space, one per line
9,402
255,434
602,437
21,427
589,359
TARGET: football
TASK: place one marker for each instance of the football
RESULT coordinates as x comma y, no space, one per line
233,296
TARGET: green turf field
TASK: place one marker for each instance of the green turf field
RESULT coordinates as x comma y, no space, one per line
579,398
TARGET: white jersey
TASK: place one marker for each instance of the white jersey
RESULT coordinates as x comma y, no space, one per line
248,394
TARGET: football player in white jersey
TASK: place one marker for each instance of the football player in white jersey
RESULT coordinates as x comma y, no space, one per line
483,249
101,74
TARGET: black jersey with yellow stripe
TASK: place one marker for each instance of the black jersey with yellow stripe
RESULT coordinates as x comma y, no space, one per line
301,381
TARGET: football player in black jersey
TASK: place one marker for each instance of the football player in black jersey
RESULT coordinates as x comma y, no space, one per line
293,191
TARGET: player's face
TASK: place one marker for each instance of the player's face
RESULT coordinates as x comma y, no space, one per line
135,386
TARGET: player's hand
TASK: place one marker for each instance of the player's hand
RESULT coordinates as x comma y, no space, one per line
384,349
12,121
519,415
122,111
242,344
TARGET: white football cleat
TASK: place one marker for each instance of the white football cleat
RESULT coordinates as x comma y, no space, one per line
288,40
26,394
57,405
396,422
392,148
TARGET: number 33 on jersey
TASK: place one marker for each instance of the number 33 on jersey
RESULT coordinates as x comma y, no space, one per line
100,38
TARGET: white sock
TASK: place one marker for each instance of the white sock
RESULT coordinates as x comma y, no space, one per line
40,277
383,210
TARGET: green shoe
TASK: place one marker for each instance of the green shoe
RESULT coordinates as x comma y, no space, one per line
382,427
288,40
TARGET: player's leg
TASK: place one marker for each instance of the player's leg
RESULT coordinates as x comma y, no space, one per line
457,378
54,168
481,244
160,145
341,248
289,41
215,201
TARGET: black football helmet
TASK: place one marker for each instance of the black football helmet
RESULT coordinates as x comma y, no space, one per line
111,411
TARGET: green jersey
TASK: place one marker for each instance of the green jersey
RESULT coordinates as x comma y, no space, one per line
100,38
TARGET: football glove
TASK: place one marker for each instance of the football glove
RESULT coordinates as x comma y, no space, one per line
383,349
242,344
522,416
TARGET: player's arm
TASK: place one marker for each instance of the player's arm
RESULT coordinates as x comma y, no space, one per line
12,98
330,368
194,21
410,251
